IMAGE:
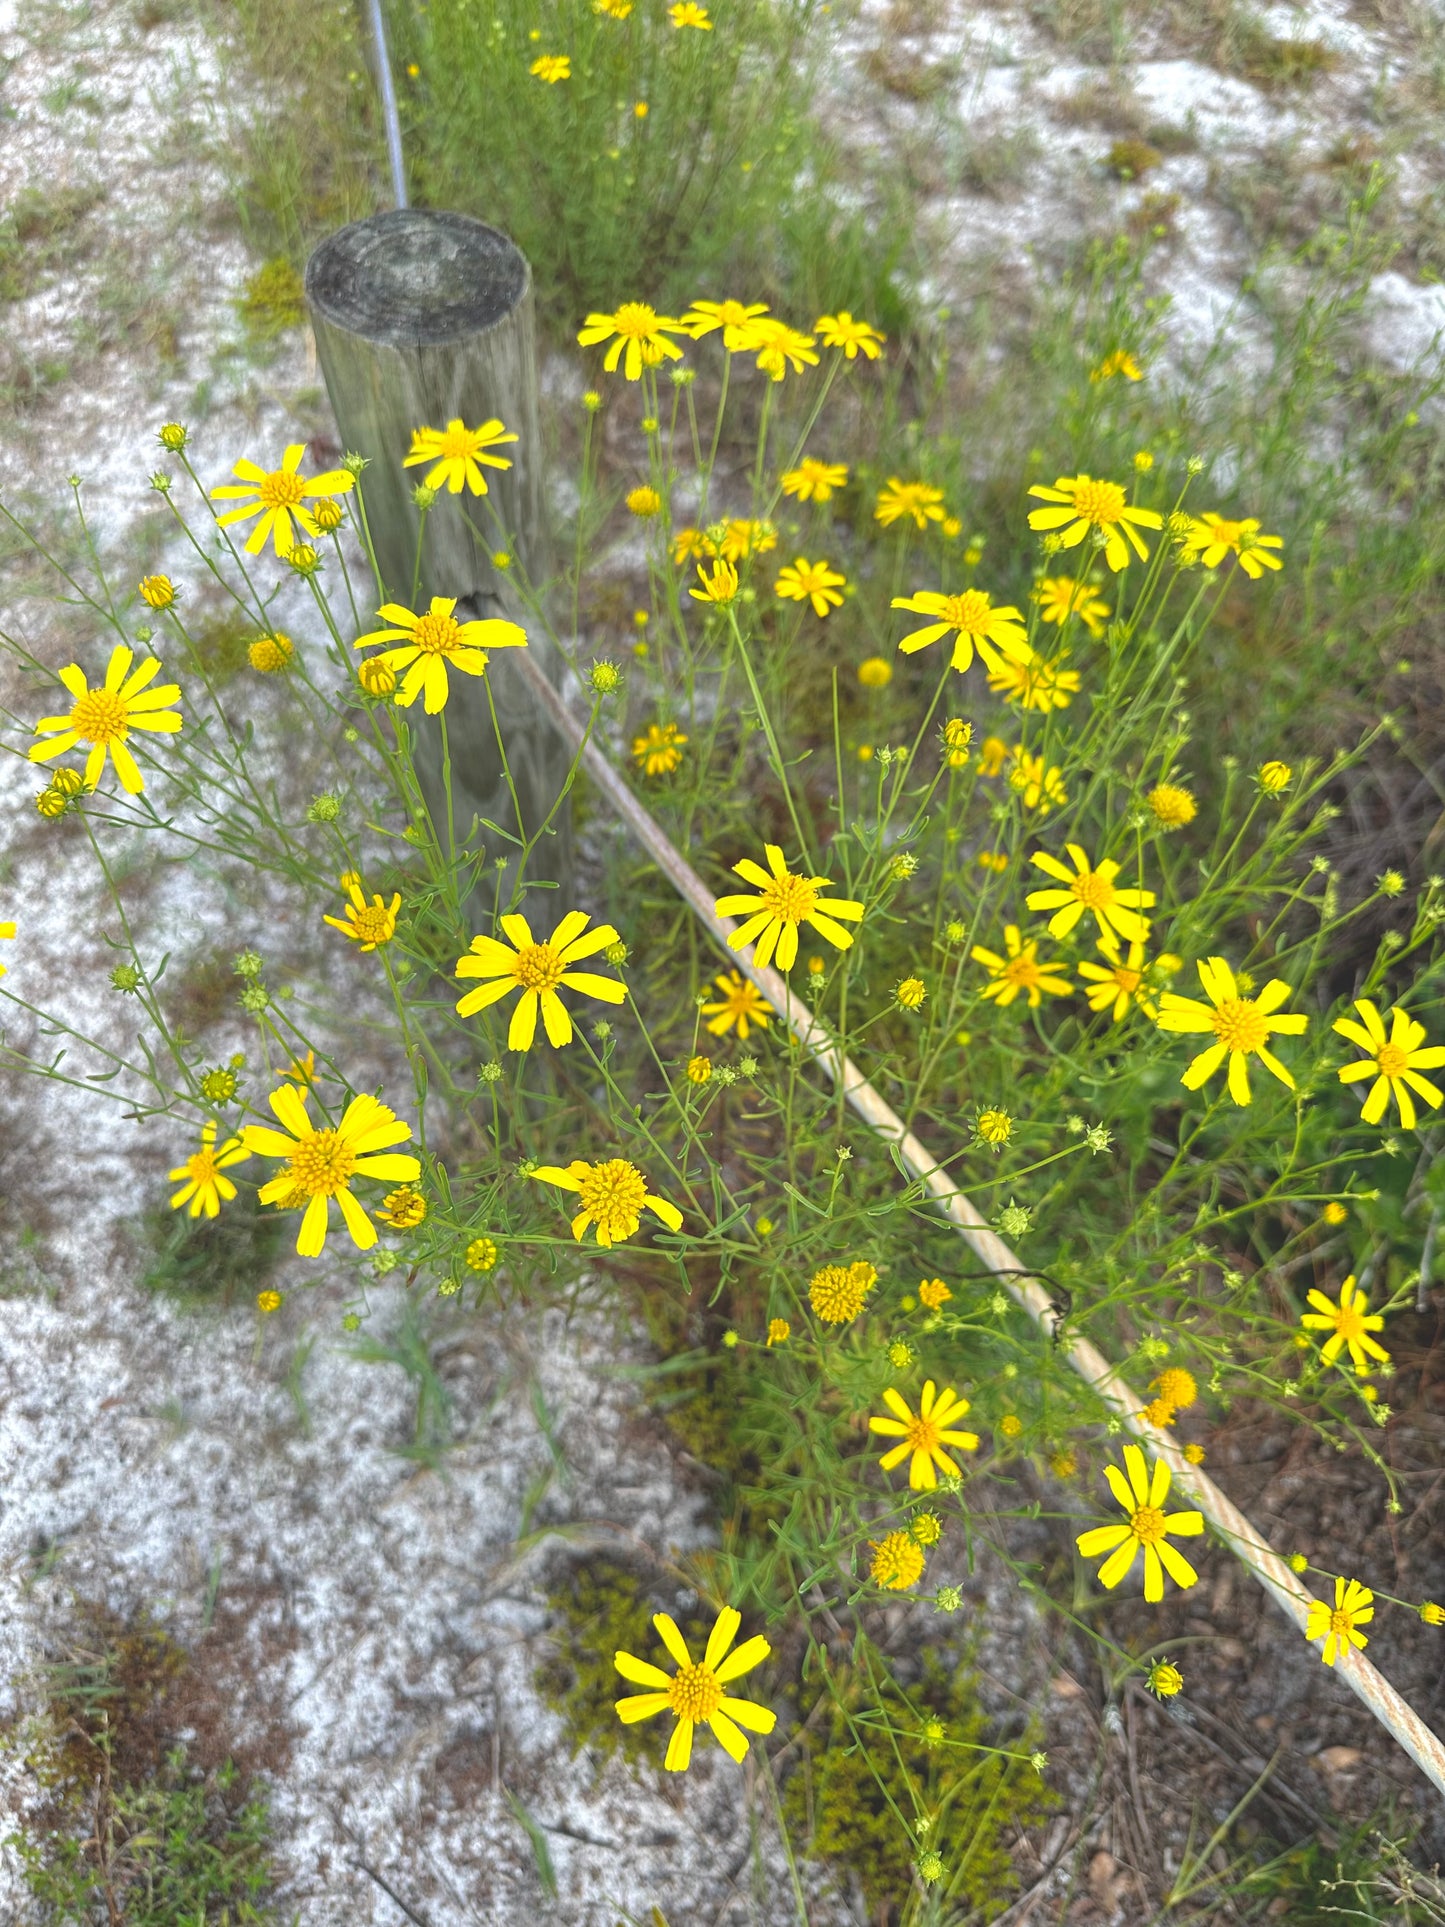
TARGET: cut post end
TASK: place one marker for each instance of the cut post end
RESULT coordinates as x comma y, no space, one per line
416,277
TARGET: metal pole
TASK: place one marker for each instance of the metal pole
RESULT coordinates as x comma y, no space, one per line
389,115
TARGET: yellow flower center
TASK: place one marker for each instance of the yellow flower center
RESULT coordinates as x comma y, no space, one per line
695,1693
1239,1026
790,898
322,1164
201,1168
1227,532
538,967
99,716
922,1435
1127,980
1349,1322
1023,971
1147,1525
1093,891
613,1195
1340,1622
635,320
1101,502
457,443
436,635
372,923
280,490
969,613
1393,1061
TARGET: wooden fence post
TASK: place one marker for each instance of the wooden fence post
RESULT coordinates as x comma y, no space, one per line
422,317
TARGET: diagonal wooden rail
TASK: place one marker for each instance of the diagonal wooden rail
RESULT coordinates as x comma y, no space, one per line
1249,1545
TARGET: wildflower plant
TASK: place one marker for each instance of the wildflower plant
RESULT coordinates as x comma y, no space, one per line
998,913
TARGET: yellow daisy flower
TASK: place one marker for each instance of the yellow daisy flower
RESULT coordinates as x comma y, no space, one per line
814,481
1037,684
741,1007
777,346
838,1293
1121,362
687,543
924,1436
279,496
743,537
614,1195
897,1561
320,1165
1124,982
538,970
1242,1027
1091,889
852,337
1394,1061
996,633
1339,1626
659,750
637,328
992,755
403,1210
204,1171
459,454
1060,596
1039,784
7,931
1149,1526
786,900
551,68
1078,503
695,1692
720,586
1349,1323
687,13
916,500
1211,538
156,591
1171,806
1021,971
368,924
814,582
103,718
732,317
433,641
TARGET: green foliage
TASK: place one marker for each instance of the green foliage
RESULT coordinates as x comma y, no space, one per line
877,1759
600,1608
211,1261
1252,51
131,1832
315,161
274,300
1128,159
409,1346
33,229
727,178
182,1850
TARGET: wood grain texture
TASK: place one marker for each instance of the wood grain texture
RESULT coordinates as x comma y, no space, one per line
422,317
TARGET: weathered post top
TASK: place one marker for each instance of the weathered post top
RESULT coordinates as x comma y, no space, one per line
413,278
423,318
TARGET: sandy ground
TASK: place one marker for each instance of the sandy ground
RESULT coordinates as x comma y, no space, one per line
373,1622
